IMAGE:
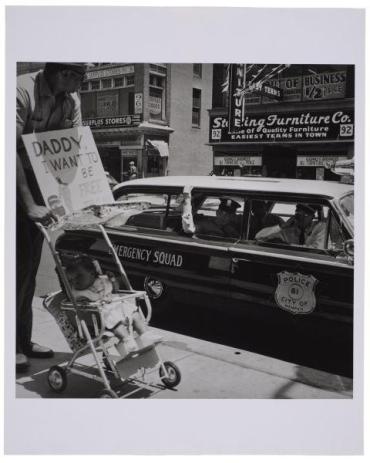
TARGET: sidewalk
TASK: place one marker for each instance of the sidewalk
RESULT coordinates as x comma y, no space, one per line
208,370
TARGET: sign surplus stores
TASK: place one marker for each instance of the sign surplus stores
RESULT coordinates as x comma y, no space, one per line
288,133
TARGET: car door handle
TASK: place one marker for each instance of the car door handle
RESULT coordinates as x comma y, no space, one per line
236,260
235,263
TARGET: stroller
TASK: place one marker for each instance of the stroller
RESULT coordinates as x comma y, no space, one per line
84,329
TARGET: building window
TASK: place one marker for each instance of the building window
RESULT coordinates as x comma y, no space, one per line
156,81
196,107
130,80
197,70
106,83
118,82
95,85
84,87
157,96
159,68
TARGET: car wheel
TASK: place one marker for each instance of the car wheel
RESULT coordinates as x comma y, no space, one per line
173,374
158,293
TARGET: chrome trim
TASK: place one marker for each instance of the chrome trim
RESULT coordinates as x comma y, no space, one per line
290,257
186,243
233,249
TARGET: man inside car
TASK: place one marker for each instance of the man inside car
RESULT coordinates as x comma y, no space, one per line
298,230
261,218
226,223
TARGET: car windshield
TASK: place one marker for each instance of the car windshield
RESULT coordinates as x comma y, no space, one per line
347,205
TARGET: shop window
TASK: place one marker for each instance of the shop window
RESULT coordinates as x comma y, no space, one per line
153,166
196,107
197,70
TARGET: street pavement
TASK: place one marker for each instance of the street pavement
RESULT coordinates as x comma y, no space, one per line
208,370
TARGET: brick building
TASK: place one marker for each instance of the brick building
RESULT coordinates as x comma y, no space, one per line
154,114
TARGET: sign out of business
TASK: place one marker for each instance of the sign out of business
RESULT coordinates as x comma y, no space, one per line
290,126
311,160
236,160
130,120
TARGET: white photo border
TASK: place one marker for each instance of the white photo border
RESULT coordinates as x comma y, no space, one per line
184,35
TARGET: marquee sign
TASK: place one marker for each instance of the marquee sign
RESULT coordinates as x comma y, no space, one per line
287,127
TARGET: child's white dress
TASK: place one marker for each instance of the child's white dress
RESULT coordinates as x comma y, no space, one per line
113,311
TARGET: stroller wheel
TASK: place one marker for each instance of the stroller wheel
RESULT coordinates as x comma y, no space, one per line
108,394
173,374
57,379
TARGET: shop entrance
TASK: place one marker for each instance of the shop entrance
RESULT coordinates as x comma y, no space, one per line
111,160
279,161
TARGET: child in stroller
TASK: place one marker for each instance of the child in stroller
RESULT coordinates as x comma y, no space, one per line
87,283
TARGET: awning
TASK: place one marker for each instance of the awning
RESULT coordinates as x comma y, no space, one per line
159,147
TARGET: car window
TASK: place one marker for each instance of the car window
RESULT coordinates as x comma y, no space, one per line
158,211
292,223
152,200
347,205
336,236
218,216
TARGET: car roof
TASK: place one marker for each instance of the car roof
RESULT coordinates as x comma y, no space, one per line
330,189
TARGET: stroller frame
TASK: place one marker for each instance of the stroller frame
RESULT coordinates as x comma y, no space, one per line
125,369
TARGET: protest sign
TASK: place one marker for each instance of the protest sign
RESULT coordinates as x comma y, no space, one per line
68,169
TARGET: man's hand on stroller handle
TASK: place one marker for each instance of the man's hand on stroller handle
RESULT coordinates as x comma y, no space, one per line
41,214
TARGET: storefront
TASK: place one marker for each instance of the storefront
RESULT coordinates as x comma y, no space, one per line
309,125
126,139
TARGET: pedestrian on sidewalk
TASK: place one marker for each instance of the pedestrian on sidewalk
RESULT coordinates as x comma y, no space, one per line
46,100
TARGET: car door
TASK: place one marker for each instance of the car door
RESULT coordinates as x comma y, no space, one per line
295,288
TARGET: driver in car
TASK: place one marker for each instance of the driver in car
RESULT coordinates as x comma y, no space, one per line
298,230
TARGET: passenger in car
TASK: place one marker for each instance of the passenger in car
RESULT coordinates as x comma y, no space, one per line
299,229
260,218
226,223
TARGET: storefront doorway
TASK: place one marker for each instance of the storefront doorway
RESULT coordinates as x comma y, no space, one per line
111,160
279,161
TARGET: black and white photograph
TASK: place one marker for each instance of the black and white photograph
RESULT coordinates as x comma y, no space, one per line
204,214
185,229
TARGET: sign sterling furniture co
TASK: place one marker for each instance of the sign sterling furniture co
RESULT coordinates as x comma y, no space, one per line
68,169
294,126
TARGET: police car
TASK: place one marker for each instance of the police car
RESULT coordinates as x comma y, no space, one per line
285,283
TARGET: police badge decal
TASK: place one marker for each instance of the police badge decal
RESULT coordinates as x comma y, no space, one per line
296,292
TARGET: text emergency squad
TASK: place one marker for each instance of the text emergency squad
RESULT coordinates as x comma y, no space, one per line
148,255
